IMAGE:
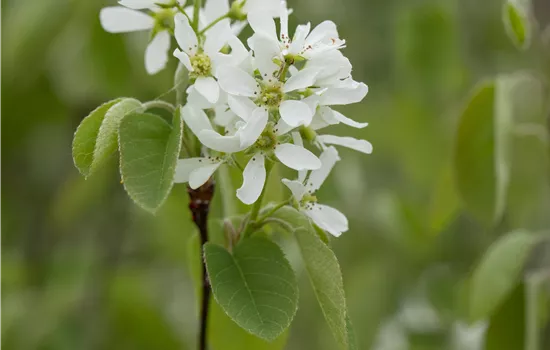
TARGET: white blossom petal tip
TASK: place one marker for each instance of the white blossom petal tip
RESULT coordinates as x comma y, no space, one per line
254,176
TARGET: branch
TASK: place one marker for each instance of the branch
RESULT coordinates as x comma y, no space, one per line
199,205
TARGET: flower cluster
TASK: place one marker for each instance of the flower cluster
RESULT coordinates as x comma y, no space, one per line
258,101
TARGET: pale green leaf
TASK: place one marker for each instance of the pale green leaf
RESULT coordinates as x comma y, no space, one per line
475,154
149,150
254,285
107,138
323,270
498,273
85,137
516,23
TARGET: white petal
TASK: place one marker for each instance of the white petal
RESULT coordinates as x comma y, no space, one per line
346,141
208,87
327,218
253,127
328,158
186,167
215,8
265,49
195,119
296,187
197,100
119,19
282,128
217,142
241,106
184,59
185,35
301,80
224,116
312,102
236,81
323,31
345,95
254,176
283,13
199,176
138,4
296,157
297,139
156,54
217,37
295,113
238,54
238,26
350,122
262,23
272,7
299,38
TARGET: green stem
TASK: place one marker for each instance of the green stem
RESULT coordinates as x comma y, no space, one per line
217,20
273,210
196,11
159,104
252,219
182,10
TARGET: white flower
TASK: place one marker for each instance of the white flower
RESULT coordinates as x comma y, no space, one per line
327,218
202,62
294,156
126,18
323,38
268,91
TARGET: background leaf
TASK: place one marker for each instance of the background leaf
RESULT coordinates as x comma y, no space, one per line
498,273
516,23
323,270
475,153
85,137
255,285
507,326
149,150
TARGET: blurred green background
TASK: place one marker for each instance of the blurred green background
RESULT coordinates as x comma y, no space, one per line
84,268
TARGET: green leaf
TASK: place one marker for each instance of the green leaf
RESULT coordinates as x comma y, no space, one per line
255,285
498,273
516,23
107,138
149,150
352,339
475,154
324,272
507,326
85,137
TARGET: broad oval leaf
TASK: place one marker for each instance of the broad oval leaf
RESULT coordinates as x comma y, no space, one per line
498,273
324,273
516,23
85,137
149,150
107,138
475,154
255,285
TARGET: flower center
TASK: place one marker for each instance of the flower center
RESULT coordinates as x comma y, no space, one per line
267,140
308,198
202,66
271,96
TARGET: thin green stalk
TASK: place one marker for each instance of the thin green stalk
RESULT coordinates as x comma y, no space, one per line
252,219
221,18
273,210
196,10
182,10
